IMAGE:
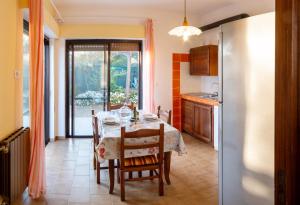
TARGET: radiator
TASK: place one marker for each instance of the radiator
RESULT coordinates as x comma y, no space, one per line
14,163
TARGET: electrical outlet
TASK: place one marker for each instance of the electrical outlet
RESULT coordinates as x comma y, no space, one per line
17,74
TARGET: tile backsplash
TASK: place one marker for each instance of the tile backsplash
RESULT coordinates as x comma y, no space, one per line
193,84
209,84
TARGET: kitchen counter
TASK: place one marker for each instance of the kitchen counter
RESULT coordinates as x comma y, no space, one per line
199,116
196,97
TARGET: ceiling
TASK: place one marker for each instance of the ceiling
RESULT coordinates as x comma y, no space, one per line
194,6
127,8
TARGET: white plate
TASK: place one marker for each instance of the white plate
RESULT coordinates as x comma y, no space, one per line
110,121
150,117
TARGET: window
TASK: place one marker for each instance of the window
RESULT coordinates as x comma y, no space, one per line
25,76
26,81
124,73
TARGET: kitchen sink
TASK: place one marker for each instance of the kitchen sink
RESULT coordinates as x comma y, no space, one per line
208,96
212,96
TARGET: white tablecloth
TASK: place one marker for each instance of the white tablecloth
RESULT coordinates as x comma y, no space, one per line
110,137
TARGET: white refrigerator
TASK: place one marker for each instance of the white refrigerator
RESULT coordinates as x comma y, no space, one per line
247,91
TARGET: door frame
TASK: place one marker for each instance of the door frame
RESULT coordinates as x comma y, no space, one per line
47,88
70,42
287,103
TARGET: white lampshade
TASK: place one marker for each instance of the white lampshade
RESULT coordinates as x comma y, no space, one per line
185,31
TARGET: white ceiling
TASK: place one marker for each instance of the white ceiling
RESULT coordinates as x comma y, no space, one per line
194,6
76,9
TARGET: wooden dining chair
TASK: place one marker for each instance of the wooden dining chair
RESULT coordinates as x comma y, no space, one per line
145,163
118,106
96,137
96,140
165,115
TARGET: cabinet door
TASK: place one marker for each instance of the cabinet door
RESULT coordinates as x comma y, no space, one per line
200,61
203,122
187,116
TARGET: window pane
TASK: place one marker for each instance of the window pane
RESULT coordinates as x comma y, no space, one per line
25,80
89,88
124,73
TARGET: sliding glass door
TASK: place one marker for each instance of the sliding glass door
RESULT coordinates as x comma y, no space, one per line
87,85
99,72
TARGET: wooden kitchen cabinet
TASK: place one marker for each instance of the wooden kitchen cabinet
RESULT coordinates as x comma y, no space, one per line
187,116
203,122
197,120
204,60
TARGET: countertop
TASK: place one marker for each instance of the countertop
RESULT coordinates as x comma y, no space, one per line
195,97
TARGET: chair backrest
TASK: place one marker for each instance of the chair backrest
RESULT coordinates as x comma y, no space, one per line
118,106
95,129
165,115
142,133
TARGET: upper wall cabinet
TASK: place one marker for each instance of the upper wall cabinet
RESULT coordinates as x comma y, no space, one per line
204,60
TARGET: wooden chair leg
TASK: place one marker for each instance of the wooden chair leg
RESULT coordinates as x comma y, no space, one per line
111,170
167,166
94,162
140,174
130,175
161,182
118,171
151,174
98,172
122,186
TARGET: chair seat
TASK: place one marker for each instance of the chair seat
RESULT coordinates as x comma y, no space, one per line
140,161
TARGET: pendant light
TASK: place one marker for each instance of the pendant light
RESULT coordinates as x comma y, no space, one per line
185,31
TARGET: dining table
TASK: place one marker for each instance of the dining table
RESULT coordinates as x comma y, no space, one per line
110,139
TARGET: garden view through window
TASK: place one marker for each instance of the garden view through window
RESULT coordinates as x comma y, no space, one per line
98,74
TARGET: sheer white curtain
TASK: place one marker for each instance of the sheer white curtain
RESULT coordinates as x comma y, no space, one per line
149,104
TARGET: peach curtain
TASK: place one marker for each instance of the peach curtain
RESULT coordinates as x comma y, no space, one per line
37,180
149,52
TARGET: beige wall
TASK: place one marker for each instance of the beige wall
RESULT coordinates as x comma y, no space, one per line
10,61
50,22
101,31
49,19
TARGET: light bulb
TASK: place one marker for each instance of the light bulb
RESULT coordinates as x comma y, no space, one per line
185,37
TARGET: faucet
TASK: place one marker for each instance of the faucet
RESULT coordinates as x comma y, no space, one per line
215,86
215,93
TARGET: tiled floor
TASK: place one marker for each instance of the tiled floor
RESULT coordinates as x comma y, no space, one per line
71,178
